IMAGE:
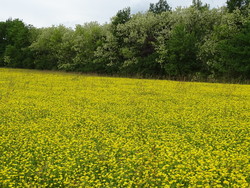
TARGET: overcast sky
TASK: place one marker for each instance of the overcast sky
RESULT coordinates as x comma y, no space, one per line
45,13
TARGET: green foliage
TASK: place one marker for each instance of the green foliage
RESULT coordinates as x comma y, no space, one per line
237,4
14,42
87,39
3,42
179,55
192,43
199,5
235,54
139,35
220,50
49,47
65,52
159,7
121,17
108,54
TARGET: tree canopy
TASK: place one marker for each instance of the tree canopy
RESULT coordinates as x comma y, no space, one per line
195,43
159,7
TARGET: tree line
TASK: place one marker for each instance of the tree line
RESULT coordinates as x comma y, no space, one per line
193,43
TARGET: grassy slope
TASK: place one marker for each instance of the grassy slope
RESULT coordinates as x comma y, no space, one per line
71,130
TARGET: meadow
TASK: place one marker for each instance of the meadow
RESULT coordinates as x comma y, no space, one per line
73,130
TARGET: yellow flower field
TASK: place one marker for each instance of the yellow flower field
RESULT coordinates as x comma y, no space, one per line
73,130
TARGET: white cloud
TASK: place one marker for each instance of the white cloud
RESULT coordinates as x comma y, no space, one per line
44,13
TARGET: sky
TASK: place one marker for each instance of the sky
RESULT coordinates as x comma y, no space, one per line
45,13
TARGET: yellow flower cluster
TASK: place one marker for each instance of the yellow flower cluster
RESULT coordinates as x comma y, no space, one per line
73,130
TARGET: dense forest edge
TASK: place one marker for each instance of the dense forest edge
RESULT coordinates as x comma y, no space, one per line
196,43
